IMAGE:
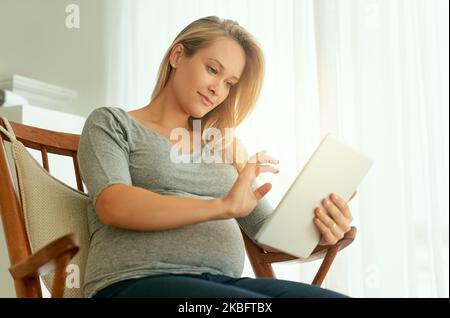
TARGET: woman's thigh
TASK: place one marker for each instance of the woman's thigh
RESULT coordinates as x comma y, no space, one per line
278,288
176,286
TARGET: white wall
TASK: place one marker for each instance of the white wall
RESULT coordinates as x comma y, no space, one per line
36,43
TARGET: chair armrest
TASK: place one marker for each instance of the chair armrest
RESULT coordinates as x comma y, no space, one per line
44,260
318,253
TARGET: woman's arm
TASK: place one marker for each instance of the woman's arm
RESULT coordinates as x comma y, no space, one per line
125,206
135,208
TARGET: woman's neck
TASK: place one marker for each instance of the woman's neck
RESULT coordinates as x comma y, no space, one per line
165,112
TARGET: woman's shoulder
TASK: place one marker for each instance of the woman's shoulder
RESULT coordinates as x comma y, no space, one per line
107,111
110,120
105,125
110,116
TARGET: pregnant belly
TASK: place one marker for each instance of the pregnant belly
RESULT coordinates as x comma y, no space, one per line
215,244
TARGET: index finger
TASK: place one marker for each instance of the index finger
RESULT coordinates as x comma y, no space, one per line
353,195
262,157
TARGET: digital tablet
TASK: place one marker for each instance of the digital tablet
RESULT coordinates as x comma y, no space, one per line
334,167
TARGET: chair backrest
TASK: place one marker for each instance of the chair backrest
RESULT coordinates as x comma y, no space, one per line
45,208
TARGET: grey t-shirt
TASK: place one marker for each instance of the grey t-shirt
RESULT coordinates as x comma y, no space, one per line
116,148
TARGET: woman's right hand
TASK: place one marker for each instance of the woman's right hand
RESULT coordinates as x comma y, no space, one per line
242,199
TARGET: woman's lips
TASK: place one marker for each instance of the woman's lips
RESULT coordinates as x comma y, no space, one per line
205,100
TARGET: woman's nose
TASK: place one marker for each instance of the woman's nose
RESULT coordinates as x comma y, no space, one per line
214,88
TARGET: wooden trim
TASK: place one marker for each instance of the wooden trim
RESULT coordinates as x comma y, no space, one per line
77,172
318,253
254,253
44,158
326,264
27,267
43,261
28,288
261,260
59,279
14,226
56,142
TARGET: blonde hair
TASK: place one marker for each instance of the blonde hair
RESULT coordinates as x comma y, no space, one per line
242,97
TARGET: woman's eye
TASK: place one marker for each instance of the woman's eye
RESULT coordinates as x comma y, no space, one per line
214,71
211,69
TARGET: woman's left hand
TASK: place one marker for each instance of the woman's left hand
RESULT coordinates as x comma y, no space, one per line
334,224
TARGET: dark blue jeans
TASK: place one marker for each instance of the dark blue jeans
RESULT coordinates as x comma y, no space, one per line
211,286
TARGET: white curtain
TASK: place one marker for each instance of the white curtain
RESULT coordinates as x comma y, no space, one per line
374,73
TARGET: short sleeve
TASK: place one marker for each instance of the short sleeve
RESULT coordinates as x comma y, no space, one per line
103,152
251,223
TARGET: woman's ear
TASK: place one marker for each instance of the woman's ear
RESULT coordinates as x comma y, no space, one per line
176,54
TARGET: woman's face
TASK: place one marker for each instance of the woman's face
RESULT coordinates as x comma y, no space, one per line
210,72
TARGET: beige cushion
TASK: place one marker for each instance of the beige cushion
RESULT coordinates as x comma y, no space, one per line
51,209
